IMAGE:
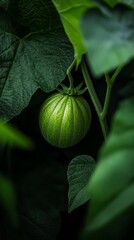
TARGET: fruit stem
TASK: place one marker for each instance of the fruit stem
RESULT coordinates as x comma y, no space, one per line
69,70
94,98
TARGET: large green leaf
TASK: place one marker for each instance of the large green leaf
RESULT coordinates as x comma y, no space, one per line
111,186
38,60
79,171
109,43
121,203
70,12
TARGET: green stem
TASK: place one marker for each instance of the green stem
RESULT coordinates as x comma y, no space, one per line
94,98
69,70
110,83
71,81
116,73
107,98
102,113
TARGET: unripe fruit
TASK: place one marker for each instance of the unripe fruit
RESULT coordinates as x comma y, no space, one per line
64,120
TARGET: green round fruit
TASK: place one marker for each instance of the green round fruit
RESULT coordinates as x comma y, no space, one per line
64,120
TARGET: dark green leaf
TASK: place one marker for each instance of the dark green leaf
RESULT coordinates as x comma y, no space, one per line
109,43
4,4
37,223
5,22
79,171
36,14
39,60
70,13
111,186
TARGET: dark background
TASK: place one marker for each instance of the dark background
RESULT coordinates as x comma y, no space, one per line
42,206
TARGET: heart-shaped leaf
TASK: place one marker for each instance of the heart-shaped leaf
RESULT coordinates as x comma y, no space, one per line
79,172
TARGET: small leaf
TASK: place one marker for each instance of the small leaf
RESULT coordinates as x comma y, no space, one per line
109,43
79,171
10,135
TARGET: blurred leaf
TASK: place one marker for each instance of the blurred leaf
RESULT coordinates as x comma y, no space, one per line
8,198
111,186
112,3
128,3
70,12
121,203
109,43
10,135
4,4
79,171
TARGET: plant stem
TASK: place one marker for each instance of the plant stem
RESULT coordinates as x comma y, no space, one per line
116,73
107,98
94,97
110,83
69,70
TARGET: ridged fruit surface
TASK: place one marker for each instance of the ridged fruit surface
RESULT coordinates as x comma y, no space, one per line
64,120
